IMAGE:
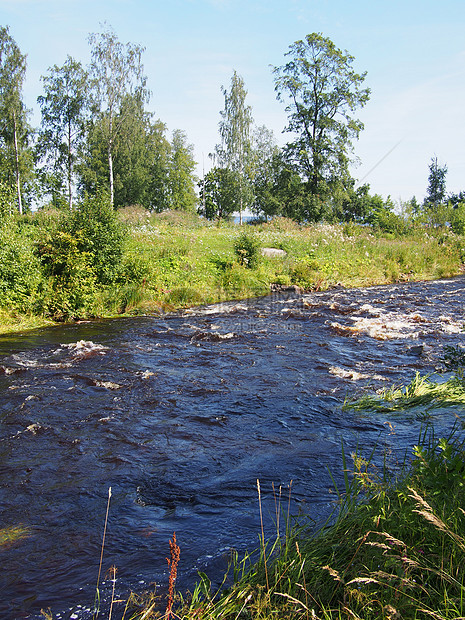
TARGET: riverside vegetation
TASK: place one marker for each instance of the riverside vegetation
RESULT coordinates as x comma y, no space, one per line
95,262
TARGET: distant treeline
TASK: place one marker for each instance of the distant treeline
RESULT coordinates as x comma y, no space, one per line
96,135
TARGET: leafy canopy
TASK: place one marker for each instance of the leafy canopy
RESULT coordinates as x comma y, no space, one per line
321,92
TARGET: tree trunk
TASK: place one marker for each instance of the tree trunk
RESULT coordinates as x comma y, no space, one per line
240,200
110,161
110,167
70,170
18,177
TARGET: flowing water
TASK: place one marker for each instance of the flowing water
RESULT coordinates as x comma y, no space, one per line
180,415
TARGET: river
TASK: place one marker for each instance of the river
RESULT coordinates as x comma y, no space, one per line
181,414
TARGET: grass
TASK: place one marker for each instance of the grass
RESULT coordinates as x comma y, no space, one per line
396,550
12,534
421,392
14,322
173,261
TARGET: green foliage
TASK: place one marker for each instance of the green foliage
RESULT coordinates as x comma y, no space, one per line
235,151
21,280
64,108
7,201
436,191
117,73
420,392
99,234
181,177
321,91
15,156
247,248
83,251
457,219
218,194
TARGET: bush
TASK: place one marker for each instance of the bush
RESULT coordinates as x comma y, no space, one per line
457,219
95,226
84,250
7,201
247,248
72,278
21,280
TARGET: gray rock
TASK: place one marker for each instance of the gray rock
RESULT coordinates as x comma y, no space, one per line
273,252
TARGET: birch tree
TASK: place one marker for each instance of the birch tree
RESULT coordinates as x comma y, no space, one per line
234,153
64,106
13,114
117,71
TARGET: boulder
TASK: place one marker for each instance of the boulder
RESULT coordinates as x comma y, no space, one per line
273,252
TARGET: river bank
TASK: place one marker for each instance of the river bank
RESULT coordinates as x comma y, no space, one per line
170,263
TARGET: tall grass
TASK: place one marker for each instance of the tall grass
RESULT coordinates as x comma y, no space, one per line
397,550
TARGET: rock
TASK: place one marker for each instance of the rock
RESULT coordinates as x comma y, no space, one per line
415,349
286,288
273,252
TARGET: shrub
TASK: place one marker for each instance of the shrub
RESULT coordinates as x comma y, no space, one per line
247,248
7,201
457,219
21,279
84,250
95,226
72,278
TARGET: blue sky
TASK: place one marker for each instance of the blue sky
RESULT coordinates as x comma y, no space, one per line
413,51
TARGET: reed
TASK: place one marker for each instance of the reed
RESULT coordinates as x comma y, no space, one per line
102,548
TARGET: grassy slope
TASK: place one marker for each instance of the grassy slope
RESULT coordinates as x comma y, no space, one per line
174,263
197,264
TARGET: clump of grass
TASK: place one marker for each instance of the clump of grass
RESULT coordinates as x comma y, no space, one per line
420,392
13,533
397,552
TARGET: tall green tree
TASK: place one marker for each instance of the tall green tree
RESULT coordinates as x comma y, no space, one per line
234,152
264,151
117,71
159,165
64,107
218,194
321,92
141,159
14,129
436,192
181,173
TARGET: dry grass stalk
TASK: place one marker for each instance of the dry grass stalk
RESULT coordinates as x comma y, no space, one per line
113,579
175,553
391,539
433,614
420,501
334,574
97,594
263,534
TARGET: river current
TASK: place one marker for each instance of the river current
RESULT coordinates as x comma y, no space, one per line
181,414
